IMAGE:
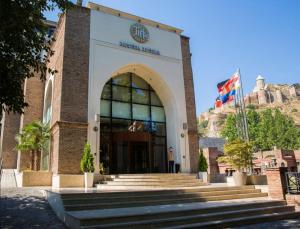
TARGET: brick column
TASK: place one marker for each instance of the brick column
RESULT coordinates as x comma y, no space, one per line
190,104
276,182
211,154
10,127
70,100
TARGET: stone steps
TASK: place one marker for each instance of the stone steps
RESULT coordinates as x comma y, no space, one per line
201,217
167,216
174,204
155,198
150,181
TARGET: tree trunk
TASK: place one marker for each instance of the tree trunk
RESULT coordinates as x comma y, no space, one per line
36,161
32,160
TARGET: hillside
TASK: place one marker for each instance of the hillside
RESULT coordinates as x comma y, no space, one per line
282,96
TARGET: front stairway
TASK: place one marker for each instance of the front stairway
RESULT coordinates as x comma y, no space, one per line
181,202
150,181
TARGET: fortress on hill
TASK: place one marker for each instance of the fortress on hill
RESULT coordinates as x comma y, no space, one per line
283,96
271,93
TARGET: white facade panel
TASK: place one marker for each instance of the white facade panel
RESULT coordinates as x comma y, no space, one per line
163,72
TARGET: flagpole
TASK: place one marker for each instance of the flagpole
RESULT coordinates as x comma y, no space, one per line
243,107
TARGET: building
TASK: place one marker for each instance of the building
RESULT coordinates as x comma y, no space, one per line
124,84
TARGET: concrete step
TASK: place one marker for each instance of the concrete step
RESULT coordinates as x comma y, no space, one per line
156,196
169,222
155,180
155,183
241,221
151,202
157,175
164,217
174,191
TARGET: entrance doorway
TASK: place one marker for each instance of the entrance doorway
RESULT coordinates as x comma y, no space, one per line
130,152
132,127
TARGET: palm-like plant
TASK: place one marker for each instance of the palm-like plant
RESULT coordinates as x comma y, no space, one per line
33,139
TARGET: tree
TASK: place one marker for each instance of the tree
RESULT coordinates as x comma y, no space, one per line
237,154
266,135
253,120
87,161
22,44
33,139
202,162
266,130
230,131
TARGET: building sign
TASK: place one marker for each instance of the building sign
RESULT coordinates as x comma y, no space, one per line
139,33
139,48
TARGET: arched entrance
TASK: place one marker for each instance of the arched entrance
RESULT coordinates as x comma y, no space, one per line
132,126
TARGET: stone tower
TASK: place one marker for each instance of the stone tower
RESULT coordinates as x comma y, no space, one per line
260,83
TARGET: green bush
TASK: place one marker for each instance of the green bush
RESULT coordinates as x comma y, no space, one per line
87,161
202,162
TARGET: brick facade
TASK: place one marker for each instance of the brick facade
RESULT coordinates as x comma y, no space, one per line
70,103
10,127
190,104
34,96
276,182
211,154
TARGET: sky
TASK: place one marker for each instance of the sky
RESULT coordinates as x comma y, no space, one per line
257,36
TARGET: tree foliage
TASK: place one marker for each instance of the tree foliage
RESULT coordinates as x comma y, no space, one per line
33,139
202,162
237,154
230,131
22,44
87,161
267,129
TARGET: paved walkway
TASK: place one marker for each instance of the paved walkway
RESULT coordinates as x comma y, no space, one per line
23,208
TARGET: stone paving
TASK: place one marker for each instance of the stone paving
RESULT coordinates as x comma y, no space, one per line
23,208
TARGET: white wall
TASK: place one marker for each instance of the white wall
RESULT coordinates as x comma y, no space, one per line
164,73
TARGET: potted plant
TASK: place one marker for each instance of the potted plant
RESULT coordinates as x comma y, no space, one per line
87,166
238,155
202,167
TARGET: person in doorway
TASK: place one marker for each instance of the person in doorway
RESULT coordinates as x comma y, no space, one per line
171,160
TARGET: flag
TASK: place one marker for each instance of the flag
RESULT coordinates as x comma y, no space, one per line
218,102
221,84
232,84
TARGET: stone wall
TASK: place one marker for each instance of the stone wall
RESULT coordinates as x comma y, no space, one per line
190,103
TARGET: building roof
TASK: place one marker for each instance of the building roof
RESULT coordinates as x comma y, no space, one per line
259,77
122,14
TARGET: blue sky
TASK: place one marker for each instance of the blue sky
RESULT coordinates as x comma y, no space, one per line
258,36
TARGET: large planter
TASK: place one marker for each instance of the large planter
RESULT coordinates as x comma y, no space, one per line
240,178
88,180
34,178
203,176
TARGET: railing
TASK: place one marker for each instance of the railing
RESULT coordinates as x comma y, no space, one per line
293,182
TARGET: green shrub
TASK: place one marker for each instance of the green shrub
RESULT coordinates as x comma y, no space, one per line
202,162
87,161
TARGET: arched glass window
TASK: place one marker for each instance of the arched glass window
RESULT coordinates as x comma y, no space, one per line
129,106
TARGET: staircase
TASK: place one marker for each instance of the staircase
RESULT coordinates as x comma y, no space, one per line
170,201
150,181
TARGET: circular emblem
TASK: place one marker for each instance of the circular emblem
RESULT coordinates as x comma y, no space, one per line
139,33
